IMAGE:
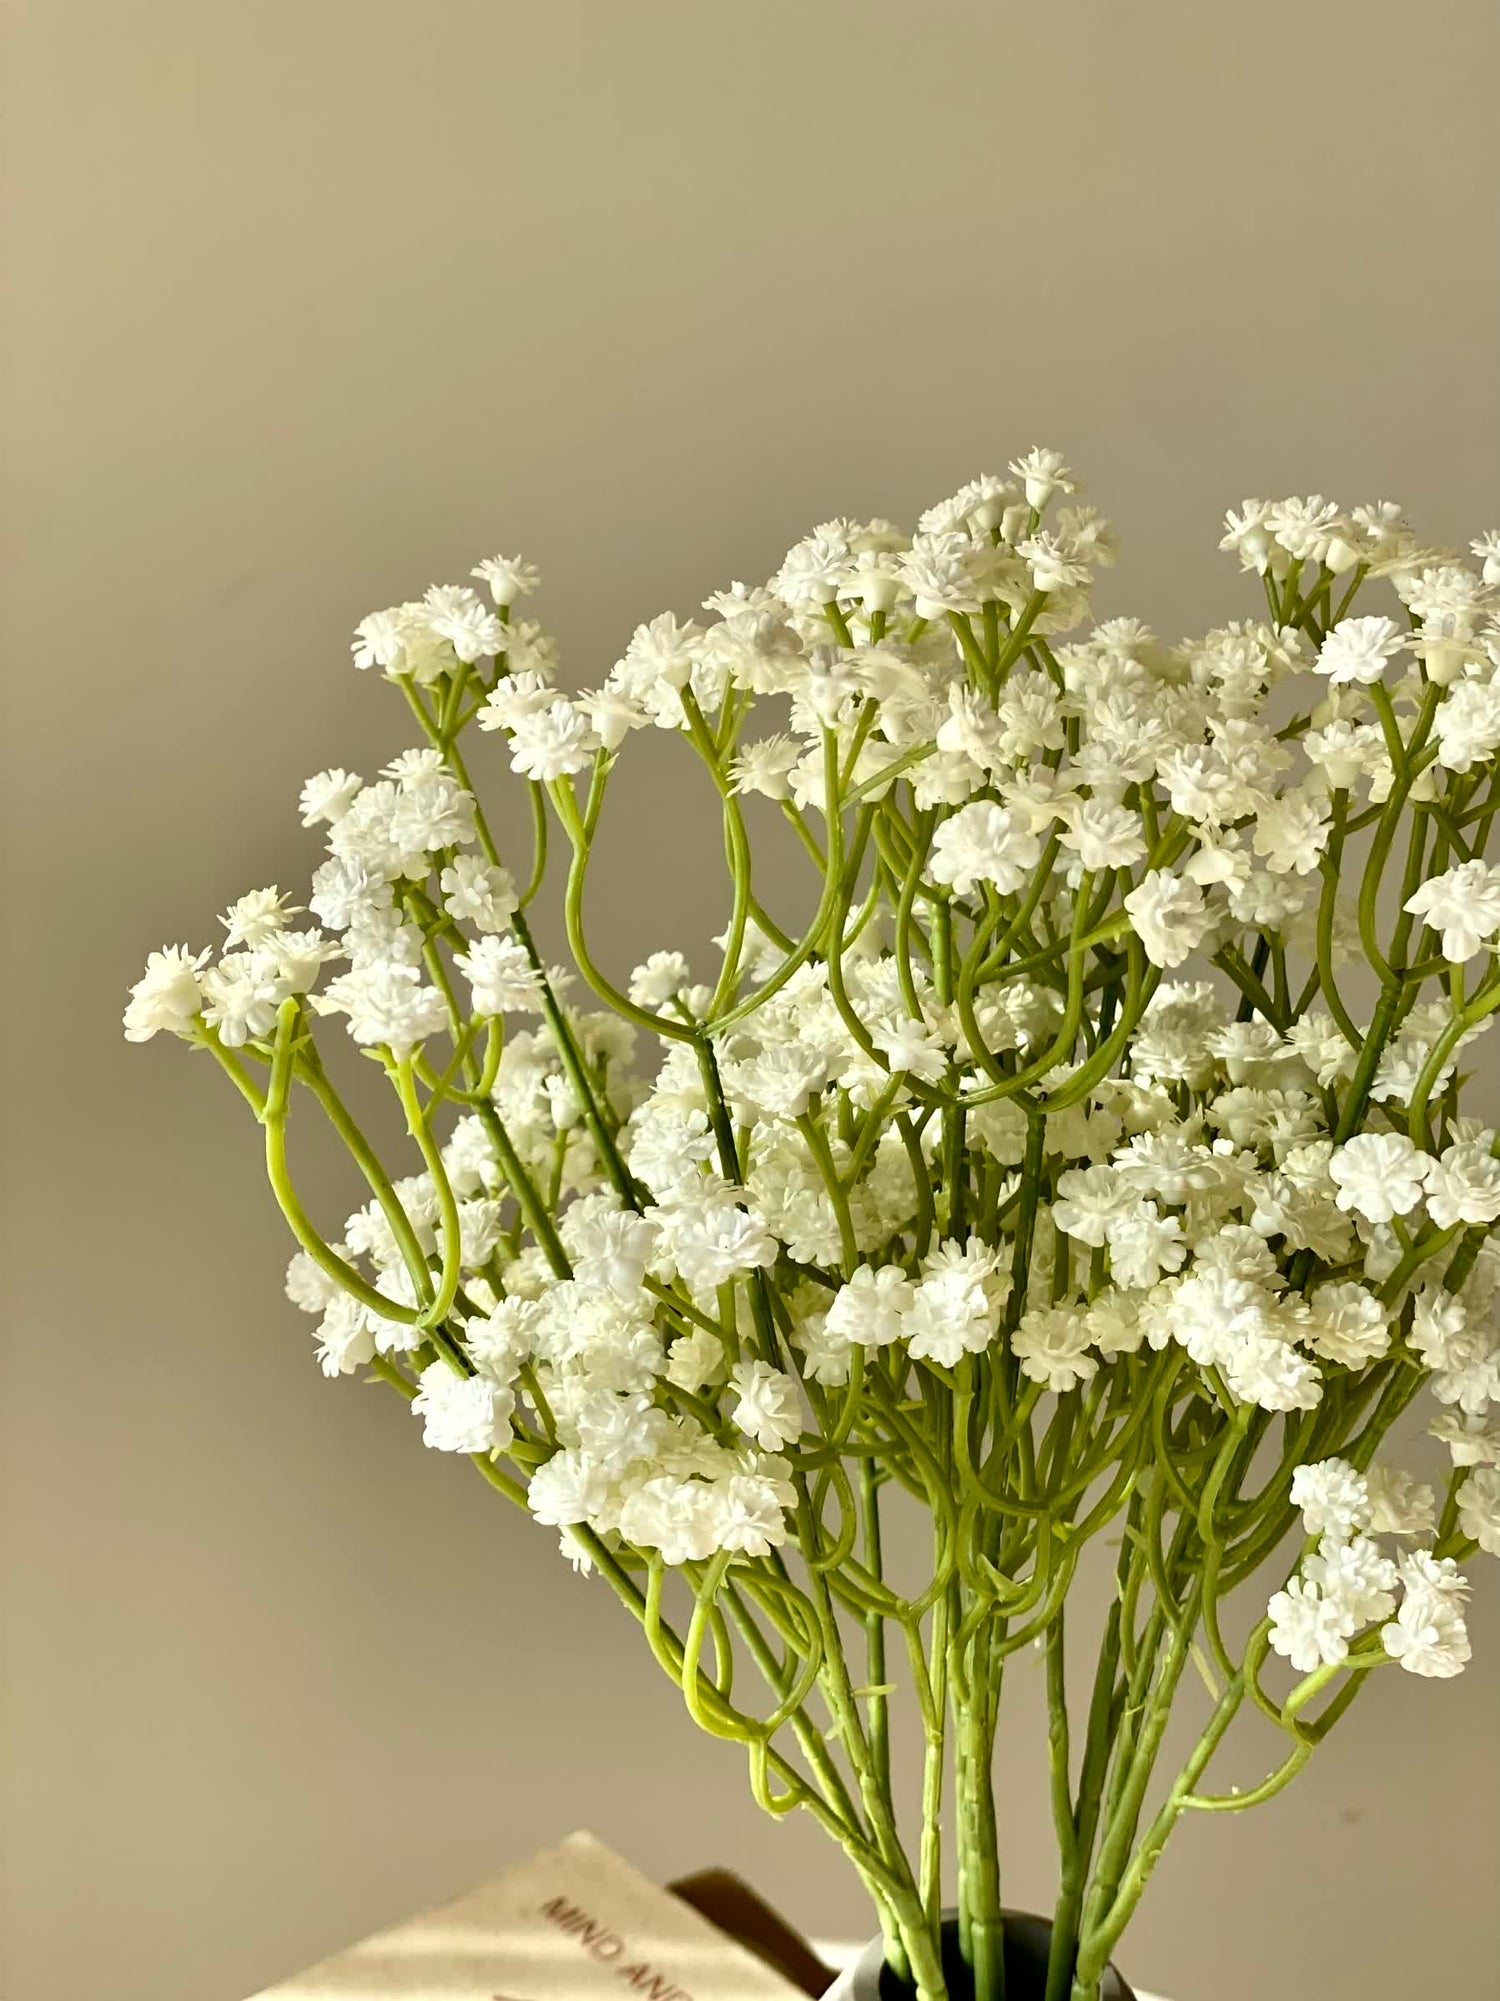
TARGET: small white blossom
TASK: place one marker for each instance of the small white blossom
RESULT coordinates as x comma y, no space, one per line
378,640
1052,1343
1355,1574
868,1311
1464,905
479,893
1333,1497
508,577
257,917
1377,1175
1428,1635
1248,535
1479,1508
1309,1629
709,1243
765,767
768,1404
955,1307
1357,649
1399,1504
1463,1185
944,573
1468,724
551,742
1169,915
473,632
1347,1324
983,843
461,1413
1103,835
750,1513
501,976
386,1004
695,1359
328,795
1472,1440
168,995
1042,473
241,995
659,980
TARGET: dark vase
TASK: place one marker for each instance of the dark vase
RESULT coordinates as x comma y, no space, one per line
1027,1942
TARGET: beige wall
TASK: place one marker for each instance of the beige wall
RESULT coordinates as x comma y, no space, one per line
315,303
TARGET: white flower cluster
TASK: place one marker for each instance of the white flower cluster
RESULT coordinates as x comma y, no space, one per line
961,1129
1348,1583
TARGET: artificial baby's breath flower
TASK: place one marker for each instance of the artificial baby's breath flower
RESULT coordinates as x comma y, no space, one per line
461,1413
954,1310
1053,1346
479,893
1333,1497
1248,535
1103,835
983,843
168,995
1310,1629
1347,1324
328,795
765,767
1399,1504
1428,1635
711,1242
378,640
1468,724
1088,1201
1355,1574
241,995
612,715
257,917
501,977
767,1404
814,569
1464,905
944,573
549,743
1054,564
938,1126
387,1004
1357,649
1344,1586
508,577
659,980
1479,1508
909,1047
1170,916
1304,526
1472,1440
867,1312
695,1359
457,616
1463,1185
1042,473
1377,1175
519,694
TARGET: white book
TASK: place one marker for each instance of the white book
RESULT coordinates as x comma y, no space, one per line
574,1921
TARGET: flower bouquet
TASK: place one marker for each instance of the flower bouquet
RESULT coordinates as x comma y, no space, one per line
1078,1153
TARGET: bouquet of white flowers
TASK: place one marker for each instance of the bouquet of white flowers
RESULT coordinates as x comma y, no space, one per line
1082,1154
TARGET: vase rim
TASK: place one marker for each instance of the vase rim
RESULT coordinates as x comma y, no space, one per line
1027,1936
